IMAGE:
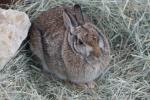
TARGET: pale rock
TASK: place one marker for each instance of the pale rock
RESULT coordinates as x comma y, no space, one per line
14,27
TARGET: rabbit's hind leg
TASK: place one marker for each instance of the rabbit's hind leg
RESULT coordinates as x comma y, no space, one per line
36,45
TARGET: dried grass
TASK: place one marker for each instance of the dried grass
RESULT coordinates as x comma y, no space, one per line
127,25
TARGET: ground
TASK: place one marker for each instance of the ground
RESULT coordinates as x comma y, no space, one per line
126,23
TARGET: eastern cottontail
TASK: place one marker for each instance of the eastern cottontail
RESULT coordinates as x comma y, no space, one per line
69,45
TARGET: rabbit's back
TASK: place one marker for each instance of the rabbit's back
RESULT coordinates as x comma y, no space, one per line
51,20
48,44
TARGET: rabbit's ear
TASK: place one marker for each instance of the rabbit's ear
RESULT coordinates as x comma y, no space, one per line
78,14
69,20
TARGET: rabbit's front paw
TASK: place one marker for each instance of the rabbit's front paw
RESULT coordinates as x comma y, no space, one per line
89,85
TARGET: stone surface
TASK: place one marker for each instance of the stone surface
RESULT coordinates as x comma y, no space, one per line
14,26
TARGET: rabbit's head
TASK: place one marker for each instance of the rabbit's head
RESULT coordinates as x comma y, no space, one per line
83,37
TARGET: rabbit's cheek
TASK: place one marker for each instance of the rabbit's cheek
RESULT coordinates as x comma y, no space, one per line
80,49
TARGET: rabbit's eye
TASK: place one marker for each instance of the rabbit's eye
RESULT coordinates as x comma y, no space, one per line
80,42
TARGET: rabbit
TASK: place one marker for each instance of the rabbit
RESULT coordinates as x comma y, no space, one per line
69,46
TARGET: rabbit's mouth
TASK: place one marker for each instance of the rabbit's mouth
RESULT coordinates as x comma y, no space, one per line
92,59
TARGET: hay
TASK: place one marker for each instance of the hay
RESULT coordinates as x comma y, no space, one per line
127,25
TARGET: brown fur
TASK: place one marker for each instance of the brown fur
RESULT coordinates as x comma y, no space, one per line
49,41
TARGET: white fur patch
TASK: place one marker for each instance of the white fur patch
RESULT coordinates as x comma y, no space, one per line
101,44
88,50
